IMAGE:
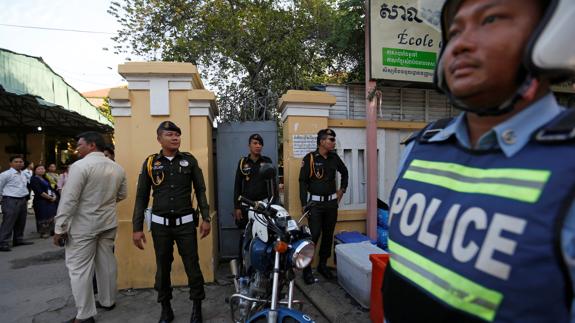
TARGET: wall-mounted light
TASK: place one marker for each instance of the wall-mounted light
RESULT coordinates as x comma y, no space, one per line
39,128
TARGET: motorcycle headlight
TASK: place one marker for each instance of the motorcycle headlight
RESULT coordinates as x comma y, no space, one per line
302,253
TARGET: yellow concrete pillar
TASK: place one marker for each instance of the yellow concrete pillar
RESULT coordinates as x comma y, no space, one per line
303,114
160,91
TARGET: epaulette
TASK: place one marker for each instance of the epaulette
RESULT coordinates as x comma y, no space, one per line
412,136
560,130
151,158
432,129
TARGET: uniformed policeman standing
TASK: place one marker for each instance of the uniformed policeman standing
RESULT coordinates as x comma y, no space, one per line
172,174
317,186
482,215
251,184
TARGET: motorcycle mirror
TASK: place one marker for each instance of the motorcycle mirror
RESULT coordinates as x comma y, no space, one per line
268,171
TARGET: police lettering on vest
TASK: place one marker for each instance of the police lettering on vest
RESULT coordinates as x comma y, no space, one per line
474,233
417,213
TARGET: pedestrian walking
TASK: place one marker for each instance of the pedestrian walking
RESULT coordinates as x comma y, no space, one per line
87,221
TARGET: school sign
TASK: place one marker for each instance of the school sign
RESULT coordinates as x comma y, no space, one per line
405,39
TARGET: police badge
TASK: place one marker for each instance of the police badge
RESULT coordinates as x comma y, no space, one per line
184,163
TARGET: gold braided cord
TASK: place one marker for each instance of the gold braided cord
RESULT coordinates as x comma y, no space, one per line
242,167
312,170
154,181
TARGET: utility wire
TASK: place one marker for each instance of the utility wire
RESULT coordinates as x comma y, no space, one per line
59,29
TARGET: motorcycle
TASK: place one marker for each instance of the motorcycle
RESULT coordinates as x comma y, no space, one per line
278,245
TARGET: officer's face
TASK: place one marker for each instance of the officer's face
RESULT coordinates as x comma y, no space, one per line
328,143
255,147
169,140
486,41
17,163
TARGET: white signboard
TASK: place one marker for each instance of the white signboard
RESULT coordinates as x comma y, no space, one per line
405,39
303,144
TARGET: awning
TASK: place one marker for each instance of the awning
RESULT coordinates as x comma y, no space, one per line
32,95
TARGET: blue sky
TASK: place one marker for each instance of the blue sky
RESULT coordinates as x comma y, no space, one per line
78,57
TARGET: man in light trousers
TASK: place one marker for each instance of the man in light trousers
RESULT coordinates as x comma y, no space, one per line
86,220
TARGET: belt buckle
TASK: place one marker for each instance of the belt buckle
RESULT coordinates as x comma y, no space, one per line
171,222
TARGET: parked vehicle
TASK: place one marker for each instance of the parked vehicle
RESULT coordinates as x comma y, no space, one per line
275,245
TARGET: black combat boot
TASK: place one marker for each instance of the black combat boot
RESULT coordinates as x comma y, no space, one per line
196,311
308,277
167,315
324,270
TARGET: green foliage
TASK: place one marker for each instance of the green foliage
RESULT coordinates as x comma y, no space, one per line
250,52
106,110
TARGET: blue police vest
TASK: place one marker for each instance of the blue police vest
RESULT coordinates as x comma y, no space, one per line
479,233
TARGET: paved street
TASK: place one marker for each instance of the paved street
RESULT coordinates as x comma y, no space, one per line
35,288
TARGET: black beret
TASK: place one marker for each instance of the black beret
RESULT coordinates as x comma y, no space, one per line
169,126
256,136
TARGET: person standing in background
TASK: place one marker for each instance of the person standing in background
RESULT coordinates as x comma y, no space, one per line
318,191
251,184
52,176
14,190
45,202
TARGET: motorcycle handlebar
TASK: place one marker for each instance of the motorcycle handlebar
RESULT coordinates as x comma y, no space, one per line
260,207
247,201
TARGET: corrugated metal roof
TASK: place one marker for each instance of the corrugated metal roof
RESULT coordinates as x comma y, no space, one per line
25,75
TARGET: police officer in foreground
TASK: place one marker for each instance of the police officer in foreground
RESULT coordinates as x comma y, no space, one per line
173,175
317,187
482,219
251,184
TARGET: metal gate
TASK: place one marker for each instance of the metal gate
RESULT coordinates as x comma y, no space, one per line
232,144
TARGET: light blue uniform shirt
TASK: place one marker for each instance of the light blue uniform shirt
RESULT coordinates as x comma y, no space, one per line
511,136
13,183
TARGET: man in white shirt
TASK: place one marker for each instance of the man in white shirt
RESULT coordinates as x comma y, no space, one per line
86,218
14,190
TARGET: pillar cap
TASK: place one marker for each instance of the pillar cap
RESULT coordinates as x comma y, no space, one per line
119,93
311,97
204,95
161,68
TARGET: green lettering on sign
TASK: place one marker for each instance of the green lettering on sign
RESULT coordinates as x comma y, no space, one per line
408,58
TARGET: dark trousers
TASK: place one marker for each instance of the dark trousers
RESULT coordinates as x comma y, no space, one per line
14,220
241,224
185,237
322,222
